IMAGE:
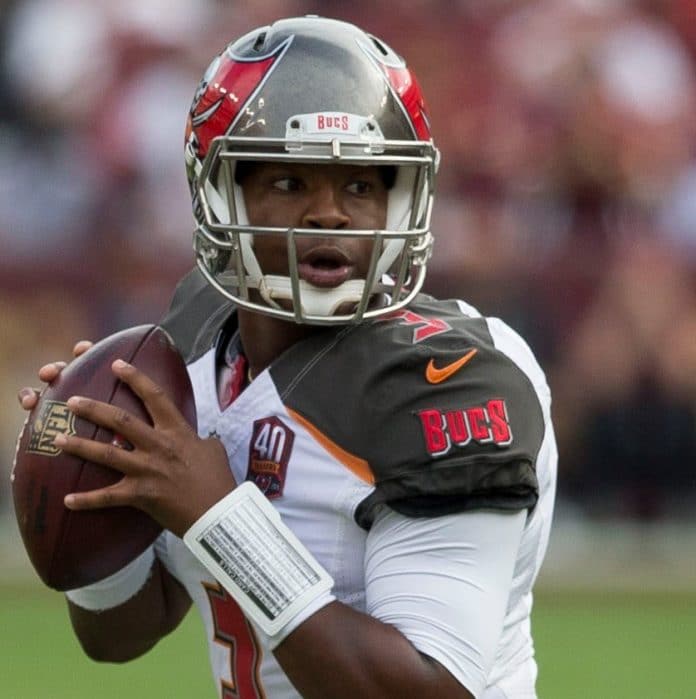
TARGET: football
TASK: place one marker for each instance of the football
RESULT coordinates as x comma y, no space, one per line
70,549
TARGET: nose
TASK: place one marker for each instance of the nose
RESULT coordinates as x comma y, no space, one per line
324,209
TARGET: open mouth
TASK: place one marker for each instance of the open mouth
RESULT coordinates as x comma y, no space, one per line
325,267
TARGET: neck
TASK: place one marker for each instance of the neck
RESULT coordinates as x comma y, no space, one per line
265,338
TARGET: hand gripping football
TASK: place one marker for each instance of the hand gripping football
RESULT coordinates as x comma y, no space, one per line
70,549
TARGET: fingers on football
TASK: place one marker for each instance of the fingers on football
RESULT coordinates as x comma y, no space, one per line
48,372
81,347
161,408
118,420
112,496
27,397
107,454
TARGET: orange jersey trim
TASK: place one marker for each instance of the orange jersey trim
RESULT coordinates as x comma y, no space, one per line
353,463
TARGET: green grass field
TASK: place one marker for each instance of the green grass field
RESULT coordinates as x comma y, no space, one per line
589,646
616,645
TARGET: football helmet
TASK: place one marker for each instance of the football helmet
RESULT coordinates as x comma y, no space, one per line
310,90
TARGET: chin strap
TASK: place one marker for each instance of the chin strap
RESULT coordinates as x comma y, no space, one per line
313,300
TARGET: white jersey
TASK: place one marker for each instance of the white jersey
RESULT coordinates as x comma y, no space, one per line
356,432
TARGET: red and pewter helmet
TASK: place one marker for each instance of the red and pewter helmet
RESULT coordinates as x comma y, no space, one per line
310,90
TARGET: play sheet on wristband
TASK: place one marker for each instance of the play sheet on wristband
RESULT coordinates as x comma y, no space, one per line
244,543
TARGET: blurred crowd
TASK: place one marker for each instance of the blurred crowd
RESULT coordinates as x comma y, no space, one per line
566,203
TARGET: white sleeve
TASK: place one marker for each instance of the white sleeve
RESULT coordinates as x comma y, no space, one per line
444,582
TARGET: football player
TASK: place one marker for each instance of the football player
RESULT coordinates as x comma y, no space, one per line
367,501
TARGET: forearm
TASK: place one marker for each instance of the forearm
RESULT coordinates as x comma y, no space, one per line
342,653
131,629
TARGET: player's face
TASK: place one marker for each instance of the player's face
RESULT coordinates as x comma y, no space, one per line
323,197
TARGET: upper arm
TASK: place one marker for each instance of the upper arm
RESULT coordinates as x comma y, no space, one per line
445,584
132,628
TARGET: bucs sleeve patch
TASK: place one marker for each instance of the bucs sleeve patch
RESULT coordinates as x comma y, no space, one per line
444,430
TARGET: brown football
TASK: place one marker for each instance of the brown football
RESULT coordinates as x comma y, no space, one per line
71,549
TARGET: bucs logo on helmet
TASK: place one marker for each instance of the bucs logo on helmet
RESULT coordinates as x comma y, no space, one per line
212,69
225,89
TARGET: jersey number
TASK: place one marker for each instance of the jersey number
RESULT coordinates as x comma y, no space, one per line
423,328
233,631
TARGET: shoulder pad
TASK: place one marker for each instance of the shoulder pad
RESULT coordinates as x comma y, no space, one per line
196,315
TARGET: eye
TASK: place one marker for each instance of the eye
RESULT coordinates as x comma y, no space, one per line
287,184
360,187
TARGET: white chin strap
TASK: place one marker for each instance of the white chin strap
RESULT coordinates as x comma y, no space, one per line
313,300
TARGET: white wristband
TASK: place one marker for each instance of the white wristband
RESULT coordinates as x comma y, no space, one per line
244,543
312,608
117,588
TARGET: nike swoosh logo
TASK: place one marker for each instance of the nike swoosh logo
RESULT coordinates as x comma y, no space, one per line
435,375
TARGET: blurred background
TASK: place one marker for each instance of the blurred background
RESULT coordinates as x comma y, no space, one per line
566,206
